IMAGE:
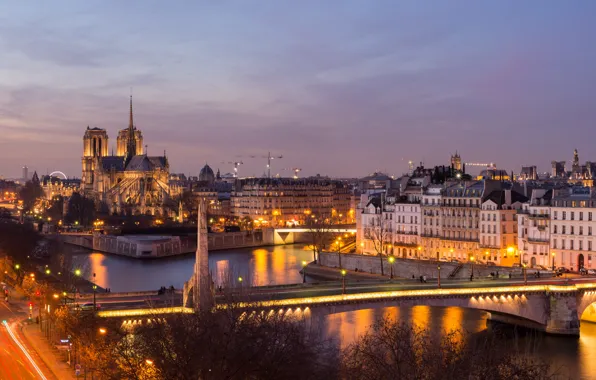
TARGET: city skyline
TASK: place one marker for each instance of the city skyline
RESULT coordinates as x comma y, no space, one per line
338,91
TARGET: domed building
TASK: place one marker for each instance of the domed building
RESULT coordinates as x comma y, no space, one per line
206,174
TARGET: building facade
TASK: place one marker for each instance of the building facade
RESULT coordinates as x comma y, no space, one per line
282,202
573,225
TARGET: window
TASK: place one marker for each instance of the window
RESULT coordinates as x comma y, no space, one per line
581,230
589,230
483,228
570,244
562,243
563,230
581,245
572,228
494,217
564,215
581,215
555,216
555,243
590,216
555,229
589,245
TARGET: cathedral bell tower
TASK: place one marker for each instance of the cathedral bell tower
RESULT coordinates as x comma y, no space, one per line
95,145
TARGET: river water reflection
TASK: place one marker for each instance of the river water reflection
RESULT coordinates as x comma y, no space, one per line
261,266
281,265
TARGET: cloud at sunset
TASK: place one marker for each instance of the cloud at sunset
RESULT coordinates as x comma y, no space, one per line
338,90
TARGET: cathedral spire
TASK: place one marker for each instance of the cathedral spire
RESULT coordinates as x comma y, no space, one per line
130,121
131,144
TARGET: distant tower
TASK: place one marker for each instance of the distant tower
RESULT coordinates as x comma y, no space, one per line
575,168
25,173
95,144
456,161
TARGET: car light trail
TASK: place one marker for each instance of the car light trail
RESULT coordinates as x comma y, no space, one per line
14,338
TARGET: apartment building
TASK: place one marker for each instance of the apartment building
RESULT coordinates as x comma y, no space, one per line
406,228
431,229
534,229
288,202
460,219
573,225
498,227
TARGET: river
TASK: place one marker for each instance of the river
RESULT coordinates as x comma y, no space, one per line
281,265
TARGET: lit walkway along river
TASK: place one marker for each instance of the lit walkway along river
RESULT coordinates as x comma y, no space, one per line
281,265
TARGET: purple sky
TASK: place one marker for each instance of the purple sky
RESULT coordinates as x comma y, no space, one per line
338,87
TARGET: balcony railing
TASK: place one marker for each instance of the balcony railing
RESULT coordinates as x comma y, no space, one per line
538,241
539,216
406,232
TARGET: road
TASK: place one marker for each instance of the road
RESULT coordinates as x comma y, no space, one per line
16,360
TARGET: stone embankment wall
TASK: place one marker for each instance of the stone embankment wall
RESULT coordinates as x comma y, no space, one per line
169,246
407,268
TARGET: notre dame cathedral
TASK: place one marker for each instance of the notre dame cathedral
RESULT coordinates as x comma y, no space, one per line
128,183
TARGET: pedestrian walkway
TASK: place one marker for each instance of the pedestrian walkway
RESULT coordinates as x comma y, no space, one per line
48,354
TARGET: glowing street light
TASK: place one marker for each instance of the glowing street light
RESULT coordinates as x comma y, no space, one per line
343,281
553,255
102,331
391,261
304,264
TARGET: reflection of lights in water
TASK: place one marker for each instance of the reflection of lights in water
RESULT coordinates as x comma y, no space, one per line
278,263
222,270
453,319
96,261
261,273
421,316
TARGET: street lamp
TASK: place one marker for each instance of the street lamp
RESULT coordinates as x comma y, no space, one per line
525,275
439,277
472,261
391,261
343,281
102,331
48,271
304,264
553,255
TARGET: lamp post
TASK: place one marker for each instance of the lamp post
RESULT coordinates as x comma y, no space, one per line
472,261
343,281
439,277
391,261
553,255
304,263
94,291
525,275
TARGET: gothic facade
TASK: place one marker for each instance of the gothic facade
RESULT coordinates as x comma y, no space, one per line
128,183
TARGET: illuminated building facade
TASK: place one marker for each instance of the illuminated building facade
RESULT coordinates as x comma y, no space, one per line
129,183
287,201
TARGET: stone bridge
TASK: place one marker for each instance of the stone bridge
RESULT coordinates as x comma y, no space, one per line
555,309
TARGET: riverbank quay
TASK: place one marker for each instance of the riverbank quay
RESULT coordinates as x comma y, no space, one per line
158,246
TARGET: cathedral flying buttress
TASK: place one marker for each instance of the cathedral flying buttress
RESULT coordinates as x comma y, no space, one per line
130,182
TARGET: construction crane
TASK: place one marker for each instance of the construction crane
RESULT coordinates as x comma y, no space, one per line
295,170
269,157
236,164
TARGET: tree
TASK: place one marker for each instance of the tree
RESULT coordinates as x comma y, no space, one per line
55,211
393,350
321,231
18,241
80,209
379,233
29,194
